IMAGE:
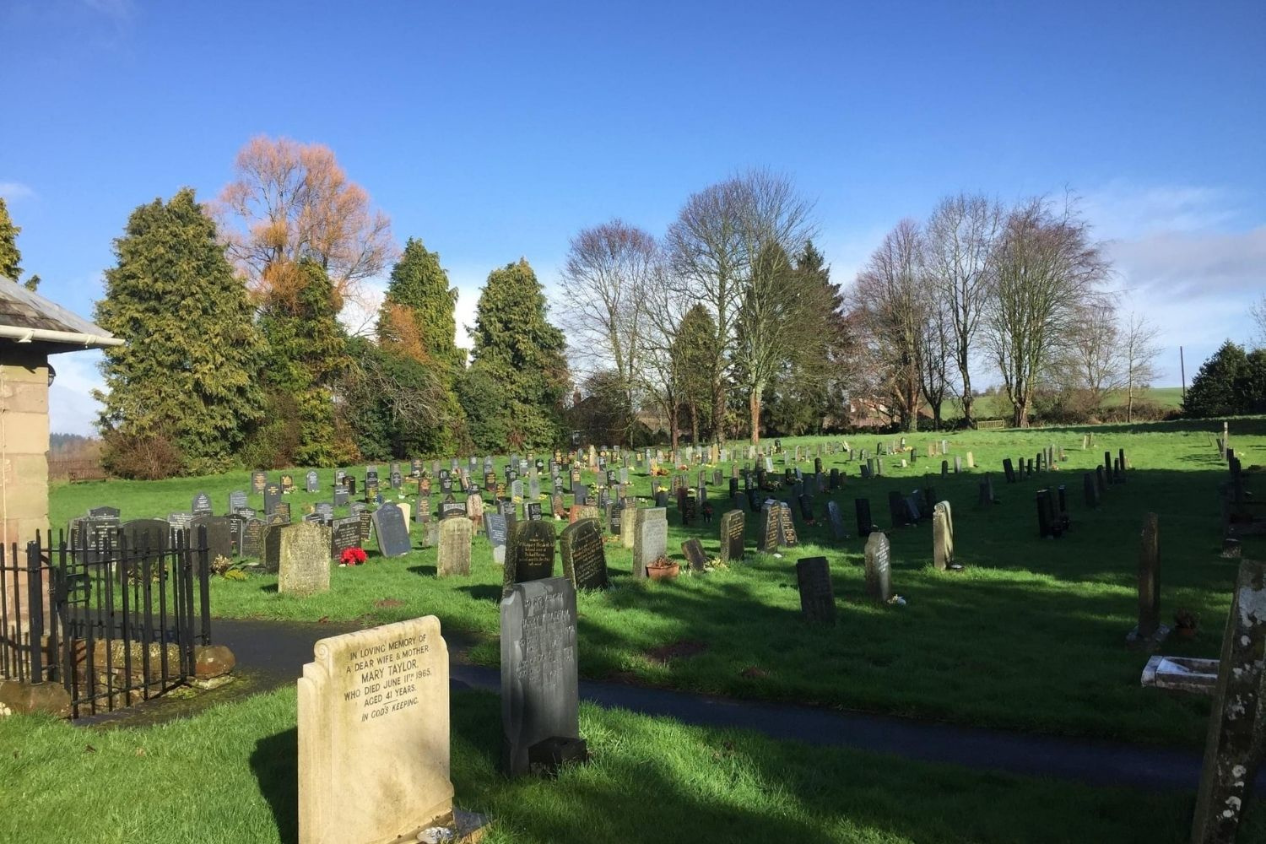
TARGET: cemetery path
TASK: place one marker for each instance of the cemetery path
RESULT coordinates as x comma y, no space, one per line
274,654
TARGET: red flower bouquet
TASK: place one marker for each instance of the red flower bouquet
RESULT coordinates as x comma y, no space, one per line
353,557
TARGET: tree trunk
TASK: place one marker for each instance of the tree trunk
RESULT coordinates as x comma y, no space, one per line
718,411
967,402
1021,417
694,422
1129,404
755,405
936,416
672,424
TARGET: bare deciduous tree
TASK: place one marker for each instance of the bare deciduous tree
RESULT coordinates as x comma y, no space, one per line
289,201
1137,355
937,355
888,298
958,241
605,281
1090,356
1259,317
660,367
1045,268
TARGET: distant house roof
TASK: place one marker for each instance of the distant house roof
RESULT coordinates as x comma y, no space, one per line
27,317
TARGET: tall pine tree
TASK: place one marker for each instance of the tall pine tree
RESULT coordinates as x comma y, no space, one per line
185,382
418,310
519,356
10,257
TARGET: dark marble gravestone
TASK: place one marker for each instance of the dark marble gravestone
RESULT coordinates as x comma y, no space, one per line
898,513
237,500
1089,490
817,595
311,482
219,536
864,523
392,531
772,531
530,554
1009,469
252,539
146,537
539,696
201,505
695,556
733,534
584,555
344,534
498,527
787,531
272,498
836,520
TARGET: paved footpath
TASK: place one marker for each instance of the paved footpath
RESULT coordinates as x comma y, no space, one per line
275,653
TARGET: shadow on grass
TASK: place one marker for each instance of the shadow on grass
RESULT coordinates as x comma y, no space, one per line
483,592
275,763
423,570
270,588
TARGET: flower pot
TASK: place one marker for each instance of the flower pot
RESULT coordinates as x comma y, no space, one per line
667,572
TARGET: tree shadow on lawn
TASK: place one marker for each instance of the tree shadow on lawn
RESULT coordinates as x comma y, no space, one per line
423,570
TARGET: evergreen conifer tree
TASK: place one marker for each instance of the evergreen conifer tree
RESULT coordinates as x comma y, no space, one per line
520,355
185,381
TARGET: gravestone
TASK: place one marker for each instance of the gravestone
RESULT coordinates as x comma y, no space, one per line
628,525
237,501
373,735
878,586
530,555
787,526
836,520
1009,469
340,496
584,555
202,505
272,499
475,510
834,482
864,524
695,556
733,534
311,482
650,539
772,531
303,566
539,695
898,513
817,595
219,536
1236,729
498,528
259,480
149,537
252,541
942,536
1089,490
451,508
453,557
287,484
344,534
1149,632
392,530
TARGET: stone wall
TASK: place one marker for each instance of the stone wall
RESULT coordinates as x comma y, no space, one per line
23,444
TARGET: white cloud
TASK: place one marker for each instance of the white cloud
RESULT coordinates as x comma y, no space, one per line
71,408
1119,209
16,190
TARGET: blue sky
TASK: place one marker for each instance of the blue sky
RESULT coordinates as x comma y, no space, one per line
496,130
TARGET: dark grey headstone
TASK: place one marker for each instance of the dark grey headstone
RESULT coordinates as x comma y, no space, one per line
817,595
202,505
733,535
584,555
392,531
344,534
219,536
695,556
530,555
539,698
836,519
878,586
313,484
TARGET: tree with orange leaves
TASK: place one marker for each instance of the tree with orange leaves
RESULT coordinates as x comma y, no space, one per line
289,202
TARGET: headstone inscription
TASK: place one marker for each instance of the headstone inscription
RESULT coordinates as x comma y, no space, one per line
650,540
817,595
584,556
304,561
878,586
392,530
272,498
252,539
539,696
237,501
202,505
259,480
498,527
530,555
374,735
733,533
344,534
453,557
787,526
287,484
772,527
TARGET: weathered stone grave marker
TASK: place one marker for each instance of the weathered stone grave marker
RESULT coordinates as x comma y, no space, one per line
453,557
584,555
303,566
817,595
878,585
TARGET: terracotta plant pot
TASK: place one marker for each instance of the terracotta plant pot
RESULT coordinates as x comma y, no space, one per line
667,572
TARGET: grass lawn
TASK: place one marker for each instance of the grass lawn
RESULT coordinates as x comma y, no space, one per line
1030,636
229,775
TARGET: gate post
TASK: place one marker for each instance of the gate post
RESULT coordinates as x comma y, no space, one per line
35,609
